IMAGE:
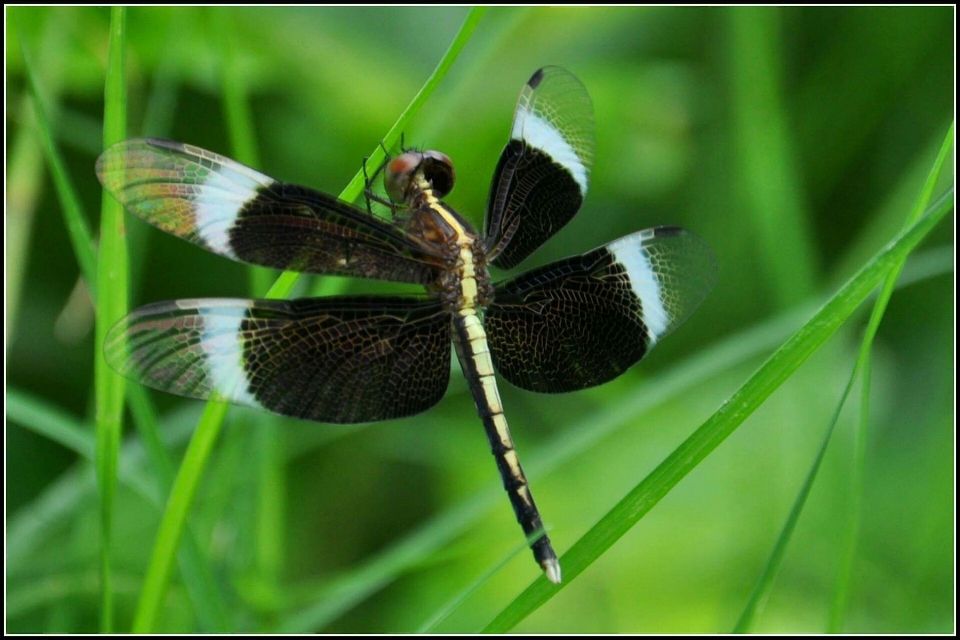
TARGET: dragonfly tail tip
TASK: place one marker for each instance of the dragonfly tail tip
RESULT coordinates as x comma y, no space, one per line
551,568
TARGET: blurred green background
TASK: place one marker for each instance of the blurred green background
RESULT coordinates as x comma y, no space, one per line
793,140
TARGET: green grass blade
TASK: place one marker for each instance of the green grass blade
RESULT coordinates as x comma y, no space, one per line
174,518
111,305
74,217
762,590
441,614
723,422
200,581
285,283
768,179
852,528
171,527
49,422
24,159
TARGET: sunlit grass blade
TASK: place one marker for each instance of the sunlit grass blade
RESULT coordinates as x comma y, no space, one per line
723,422
849,549
185,485
111,306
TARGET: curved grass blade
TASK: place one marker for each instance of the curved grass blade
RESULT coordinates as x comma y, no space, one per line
762,590
74,219
724,421
849,549
111,305
198,576
456,601
194,463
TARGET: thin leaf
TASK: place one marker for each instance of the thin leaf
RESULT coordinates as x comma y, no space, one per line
74,217
852,529
457,600
111,305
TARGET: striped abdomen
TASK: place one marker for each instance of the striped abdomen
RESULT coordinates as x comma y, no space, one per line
474,353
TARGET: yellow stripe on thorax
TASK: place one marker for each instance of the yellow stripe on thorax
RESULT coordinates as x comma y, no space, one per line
468,271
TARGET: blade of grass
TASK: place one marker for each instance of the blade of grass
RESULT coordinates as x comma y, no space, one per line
767,176
24,158
200,582
852,529
723,422
284,284
171,527
441,614
112,304
764,585
31,527
74,219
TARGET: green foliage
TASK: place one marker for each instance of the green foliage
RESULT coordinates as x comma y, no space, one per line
794,140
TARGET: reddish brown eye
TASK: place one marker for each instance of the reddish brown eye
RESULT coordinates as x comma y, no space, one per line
438,170
396,178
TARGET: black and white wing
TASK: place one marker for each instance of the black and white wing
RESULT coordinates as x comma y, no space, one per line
583,321
543,173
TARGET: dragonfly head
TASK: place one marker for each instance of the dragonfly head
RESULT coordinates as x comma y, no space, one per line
415,171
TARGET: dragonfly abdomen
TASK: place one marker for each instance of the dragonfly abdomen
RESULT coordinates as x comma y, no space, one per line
470,339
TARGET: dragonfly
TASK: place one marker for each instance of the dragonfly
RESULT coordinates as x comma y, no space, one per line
569,325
